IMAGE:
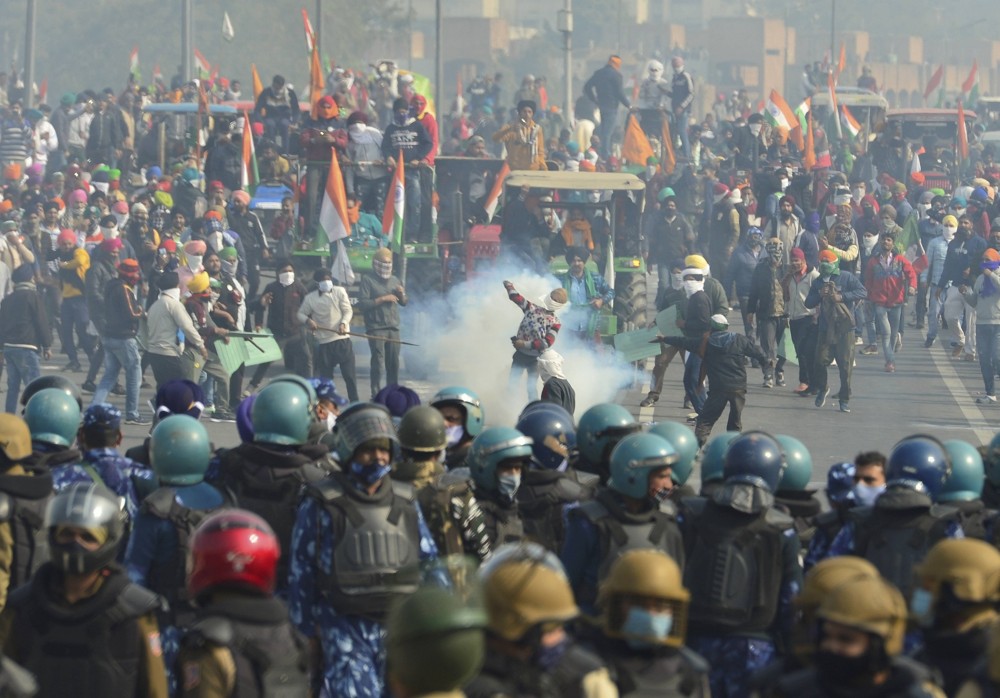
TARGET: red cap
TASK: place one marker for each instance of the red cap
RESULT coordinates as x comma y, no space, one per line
168,245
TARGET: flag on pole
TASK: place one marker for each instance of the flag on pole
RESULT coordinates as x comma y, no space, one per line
851,124
395,206
809,156
227,27
43,91
834,110
249,176
494,198
934,82
333,211
780,116
963,135
317,84
970,88
310,34
133,62
669,161
459,94
841,62
258,86
204,67
635,146
802,112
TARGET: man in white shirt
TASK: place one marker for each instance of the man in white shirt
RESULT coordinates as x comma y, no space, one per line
327,313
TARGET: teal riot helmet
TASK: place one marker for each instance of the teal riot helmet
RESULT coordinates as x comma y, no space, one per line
798,462
179,450
685,444
468,401
713,457
600,428
493,446
53,417
634,459
965,483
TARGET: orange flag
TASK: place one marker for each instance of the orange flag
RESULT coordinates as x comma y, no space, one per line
963,135
809,157
841,62
669,159
258,86
317,84
635,147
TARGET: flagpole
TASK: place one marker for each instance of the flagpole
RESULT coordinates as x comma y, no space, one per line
318,33
185,40
29,57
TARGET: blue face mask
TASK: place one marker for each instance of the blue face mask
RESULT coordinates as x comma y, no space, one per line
507,486
548,657
643,629
867,494
922,605
454,434
368,475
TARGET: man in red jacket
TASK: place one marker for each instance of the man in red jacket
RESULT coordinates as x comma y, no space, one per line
889,277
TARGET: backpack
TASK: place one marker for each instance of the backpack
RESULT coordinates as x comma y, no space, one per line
734,568
435,502
26,518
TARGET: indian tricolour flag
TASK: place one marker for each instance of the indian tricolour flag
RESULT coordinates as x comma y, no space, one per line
133,62
494,197
333,219
780,115
250,177
970,88
395,205
802,114
851,125
204,67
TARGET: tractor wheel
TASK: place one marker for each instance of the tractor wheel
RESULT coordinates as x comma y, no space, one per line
636,301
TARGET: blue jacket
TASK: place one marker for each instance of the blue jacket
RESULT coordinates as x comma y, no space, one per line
849,286
741,266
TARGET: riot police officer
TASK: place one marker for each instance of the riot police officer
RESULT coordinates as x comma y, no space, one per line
896,533
599,429
644,621
435,643
963,489
742,565
530,651
498,458
631,512
240,638
465,416
53,417
792,496
446,499
267,475
80,626
551,482
682,438
340,587
53,380
713,461
840,495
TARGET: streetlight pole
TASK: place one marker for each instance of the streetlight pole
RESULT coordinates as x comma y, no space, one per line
319,28
186,41
29,57
438,57
565,25
833,30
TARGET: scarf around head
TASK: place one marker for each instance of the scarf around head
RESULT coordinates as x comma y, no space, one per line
989,286
383,270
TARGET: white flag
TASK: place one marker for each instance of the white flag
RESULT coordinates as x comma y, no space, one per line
227,28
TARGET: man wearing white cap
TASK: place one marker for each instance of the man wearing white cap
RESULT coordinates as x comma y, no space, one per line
722,361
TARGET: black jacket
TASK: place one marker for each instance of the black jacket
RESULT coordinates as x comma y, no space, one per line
604,88
761,299
23,319
122,310
722,358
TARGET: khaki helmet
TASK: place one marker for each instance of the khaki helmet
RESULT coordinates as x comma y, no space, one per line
871,605
15,438
970,567
422,429
435,640
524,585
646,573
826,576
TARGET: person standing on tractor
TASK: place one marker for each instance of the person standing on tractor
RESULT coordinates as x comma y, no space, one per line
588,292
523,139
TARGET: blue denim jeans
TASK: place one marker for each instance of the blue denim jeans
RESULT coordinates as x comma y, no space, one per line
888,320
692,371
22,368
121,354
988,346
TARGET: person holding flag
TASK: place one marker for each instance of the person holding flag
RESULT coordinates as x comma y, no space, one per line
407,139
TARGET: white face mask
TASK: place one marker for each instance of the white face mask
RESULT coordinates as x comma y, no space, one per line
331,421
453,434
356,129
867,494
122,219
869,242
230,267
784,184
113,234
325,286
286,278
194,261
755,129
692,287
949,233
594,196
858,195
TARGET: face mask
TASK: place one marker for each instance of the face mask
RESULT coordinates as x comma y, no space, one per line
216,241
507,486
784,184
869,242
230,267
368,475
922,605
356,129
949,233
650,170
331,421
692,287
836,669
858,195
400,118
676,281
827,268
548,657
286,278
594,196
122,219
867,494
194,262
454,434
113,234
643,629
755,129
325,286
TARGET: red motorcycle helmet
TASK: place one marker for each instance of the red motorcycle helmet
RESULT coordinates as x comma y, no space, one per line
235,549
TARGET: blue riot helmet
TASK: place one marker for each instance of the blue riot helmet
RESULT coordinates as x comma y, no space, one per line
754,458
554,436
919,463
466,400
965,483
840,483
685,444
634,459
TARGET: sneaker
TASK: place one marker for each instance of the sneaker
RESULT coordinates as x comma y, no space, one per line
986,400
779,379
969,357
649,401
687,404
72,366
692,420
691,416
890,367
870,350
821,397
898,344
929,342
844,407
768,382
89,387
118,389
250,390
858,341
139,421
802,390
957,351
223,416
